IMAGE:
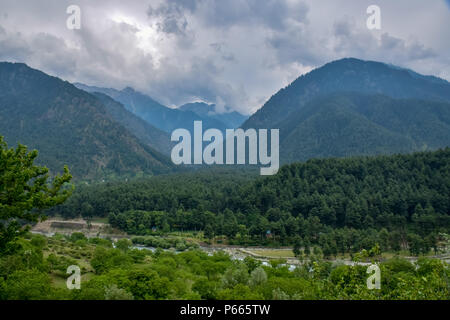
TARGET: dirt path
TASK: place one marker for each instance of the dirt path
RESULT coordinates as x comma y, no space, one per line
66,227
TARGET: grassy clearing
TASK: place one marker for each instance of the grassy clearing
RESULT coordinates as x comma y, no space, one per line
58,281
100,220
273,253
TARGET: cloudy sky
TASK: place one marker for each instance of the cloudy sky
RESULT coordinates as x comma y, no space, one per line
229,52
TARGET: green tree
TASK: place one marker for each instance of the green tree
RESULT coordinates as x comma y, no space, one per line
297,246
123,244
105,259
113,292
235,275
25,191
416,244
206,288
257,277
27,285
209,232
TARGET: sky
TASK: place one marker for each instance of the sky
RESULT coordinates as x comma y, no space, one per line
234,53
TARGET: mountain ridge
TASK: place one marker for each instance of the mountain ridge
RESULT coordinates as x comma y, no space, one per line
348,74
231,120
69,126
152,136
158,115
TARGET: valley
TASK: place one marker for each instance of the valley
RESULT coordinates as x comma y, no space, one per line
52,227
364,179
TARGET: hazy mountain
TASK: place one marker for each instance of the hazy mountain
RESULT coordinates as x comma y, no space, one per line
230,120
348,75
69,126
156,114
155,138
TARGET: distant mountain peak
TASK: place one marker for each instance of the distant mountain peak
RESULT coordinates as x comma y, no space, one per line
128,90
230,119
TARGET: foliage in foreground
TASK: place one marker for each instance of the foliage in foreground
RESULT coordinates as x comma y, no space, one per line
25,190
38,271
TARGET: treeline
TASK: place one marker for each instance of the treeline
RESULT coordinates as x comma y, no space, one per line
343,205
164,243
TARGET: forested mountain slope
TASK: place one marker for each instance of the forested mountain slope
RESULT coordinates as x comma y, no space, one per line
352,107
69,126
348,75
348,124
154,137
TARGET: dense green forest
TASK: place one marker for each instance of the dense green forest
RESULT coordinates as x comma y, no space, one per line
38,271
342,205
72,127
349,124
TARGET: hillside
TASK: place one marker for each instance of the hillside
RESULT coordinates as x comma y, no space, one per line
145,132
69,126
346,124
353,107
348,75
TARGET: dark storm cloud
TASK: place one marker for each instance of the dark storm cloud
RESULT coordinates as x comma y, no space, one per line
172,15
229,52
221,49
271,13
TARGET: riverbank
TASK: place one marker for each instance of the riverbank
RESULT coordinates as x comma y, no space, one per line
51,227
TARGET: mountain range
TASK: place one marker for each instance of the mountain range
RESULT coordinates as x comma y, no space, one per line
165,118
70,126
347,107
